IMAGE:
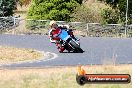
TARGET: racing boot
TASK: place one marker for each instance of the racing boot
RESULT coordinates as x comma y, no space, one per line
61,49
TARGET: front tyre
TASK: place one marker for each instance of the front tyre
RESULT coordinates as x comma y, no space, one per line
80,50
76,47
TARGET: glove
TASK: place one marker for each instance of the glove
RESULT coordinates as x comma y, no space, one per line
57,42
52,41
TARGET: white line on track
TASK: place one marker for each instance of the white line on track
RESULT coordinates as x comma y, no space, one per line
47,57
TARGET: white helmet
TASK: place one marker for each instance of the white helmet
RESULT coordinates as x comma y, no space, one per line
52,22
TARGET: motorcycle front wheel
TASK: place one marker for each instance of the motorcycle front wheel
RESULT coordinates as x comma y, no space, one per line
76,47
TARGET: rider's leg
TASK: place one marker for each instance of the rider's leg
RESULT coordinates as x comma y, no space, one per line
60,47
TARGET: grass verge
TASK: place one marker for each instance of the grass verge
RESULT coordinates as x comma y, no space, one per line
63,77
11,54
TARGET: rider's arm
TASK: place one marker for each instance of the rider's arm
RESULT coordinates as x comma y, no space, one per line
49,33
52,41
51,37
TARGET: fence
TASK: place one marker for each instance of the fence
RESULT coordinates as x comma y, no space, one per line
7,23
86,29
30,26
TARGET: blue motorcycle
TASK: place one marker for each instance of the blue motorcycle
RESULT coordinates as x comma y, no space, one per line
69,43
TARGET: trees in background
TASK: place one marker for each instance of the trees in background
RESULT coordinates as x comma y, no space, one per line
84,13
110,16
7,7
23,2
120,7
53,9
70,10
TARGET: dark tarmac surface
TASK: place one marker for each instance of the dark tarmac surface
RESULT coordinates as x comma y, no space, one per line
97,50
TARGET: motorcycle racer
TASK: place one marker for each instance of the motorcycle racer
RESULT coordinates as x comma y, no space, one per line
54,33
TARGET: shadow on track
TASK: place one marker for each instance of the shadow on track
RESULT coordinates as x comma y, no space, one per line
73,52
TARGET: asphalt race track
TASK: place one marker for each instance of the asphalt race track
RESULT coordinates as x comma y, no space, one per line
97,50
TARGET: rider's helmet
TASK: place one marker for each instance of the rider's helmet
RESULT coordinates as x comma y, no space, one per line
53,24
